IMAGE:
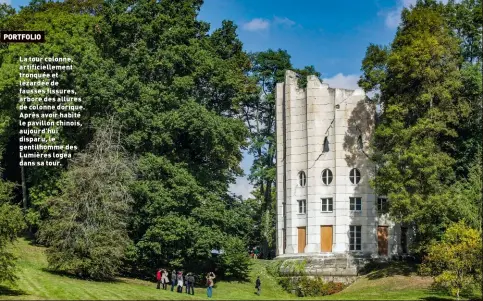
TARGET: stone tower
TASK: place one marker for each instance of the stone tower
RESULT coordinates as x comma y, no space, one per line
325,204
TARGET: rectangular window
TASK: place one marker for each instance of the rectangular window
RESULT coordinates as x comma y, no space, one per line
327,205
382,205
355,238
302,206
355,204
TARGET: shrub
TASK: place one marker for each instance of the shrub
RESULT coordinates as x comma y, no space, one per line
273,268
455,261
235,261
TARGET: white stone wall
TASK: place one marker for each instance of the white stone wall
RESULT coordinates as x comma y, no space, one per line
311,115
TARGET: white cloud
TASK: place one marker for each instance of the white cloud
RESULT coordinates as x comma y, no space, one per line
5,1
242,187
260,24
257,24
343,81
393,18
283,21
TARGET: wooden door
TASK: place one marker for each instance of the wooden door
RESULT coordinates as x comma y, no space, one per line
302,239
326,238
382,244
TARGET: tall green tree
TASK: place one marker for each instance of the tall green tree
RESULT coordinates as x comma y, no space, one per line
86,232
178,93
258,111
420,79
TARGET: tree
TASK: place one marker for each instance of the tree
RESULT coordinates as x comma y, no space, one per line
235,259
420,82
178,89
91,77
258,113
86,232
455,261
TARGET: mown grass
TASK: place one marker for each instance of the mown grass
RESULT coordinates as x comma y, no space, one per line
37,283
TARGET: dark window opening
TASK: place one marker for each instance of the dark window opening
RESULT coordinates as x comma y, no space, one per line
355,238
302,179
326,145
355,204
302,207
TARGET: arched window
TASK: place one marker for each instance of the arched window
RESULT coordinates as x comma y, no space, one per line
355,176
327,176
302,179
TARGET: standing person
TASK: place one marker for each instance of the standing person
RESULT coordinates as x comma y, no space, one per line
187,283
180,282
158,278
164,278
209,282
258,285
191,280
256,252
173,279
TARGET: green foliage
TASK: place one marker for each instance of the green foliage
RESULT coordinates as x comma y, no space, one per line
425,141
305,286
312,287
180,222
71,34
86,230
187,85
11,224
296,267
455,261
235,259
176,90
274,267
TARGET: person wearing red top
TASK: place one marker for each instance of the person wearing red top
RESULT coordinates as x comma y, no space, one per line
158,278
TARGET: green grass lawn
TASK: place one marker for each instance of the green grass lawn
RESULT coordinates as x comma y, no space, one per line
36,283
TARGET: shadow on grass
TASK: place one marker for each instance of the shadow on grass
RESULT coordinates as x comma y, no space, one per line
377,270
6,291
75,277
433,298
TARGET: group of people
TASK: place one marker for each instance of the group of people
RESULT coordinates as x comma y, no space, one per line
255,253
178,281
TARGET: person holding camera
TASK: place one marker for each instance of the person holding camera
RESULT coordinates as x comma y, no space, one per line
209,283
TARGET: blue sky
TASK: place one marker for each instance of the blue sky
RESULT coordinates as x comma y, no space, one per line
331,35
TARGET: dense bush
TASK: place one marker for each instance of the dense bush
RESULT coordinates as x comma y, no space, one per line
235,259
312,287
455,261
302,286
